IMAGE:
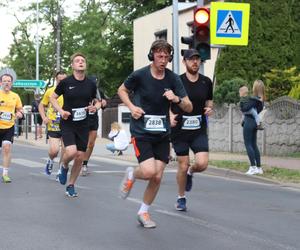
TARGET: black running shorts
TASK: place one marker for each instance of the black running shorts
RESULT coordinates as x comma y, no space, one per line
75,136
198,143
7,134
158,149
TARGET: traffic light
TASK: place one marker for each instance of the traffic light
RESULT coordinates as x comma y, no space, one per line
201,35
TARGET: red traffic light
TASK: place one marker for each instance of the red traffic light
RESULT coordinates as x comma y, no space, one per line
201,16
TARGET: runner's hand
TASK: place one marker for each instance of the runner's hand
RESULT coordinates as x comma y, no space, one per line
169,94
173,121
208,111
137,112
91,108
65,114
19,114
46,120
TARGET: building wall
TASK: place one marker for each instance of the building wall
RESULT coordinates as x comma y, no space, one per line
144,29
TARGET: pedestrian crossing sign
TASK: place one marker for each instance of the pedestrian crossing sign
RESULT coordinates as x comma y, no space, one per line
229,23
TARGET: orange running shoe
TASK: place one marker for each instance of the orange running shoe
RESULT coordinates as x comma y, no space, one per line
126,184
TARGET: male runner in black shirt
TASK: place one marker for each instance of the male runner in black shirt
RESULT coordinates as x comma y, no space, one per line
93,128
154,87
189,130
79,94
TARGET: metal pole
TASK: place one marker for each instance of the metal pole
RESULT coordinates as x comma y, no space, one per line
200,3
201,69
37,42
58,37
175,37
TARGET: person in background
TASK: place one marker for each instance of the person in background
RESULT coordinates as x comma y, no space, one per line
93,128
38,121
244,98
10,109
119,137
52,120
250,127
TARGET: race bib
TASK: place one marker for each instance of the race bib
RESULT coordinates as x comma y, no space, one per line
5,116
155,123
79,114
191,122
57,117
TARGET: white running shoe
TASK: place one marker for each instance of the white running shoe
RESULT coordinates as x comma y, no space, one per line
259,170
252,170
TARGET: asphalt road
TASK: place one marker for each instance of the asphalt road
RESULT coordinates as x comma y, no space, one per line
222,213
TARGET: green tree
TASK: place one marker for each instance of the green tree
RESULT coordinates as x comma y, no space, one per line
228,92
273,42
282,82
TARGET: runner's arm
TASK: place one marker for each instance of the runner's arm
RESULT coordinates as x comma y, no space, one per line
123,93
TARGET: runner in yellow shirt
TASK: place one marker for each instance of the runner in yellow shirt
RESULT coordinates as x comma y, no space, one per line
52,120
10,109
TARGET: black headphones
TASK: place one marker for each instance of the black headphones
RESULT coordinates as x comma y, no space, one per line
158,43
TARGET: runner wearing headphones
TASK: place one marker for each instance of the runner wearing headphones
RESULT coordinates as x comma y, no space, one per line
154,87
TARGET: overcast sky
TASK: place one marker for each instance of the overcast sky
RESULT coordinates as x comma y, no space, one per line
8,21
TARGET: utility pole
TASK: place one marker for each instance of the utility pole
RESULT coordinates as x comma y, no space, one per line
37,42
175,38
58,37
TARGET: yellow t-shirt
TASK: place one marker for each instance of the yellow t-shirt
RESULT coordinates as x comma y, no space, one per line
52,114
9,102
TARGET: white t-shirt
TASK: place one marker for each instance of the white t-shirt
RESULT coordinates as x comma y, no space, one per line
120,139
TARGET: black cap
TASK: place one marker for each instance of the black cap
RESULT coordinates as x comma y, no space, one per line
189,53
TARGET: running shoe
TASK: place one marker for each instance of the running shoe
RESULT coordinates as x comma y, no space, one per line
189,182
6,179
181,204
63,175
126,184
259,170
84,170
145,220
57,175
49,167
70,191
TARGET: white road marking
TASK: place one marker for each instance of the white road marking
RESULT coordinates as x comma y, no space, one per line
27,163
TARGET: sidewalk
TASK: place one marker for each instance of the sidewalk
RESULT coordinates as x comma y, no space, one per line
100,150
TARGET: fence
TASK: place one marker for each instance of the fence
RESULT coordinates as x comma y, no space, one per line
281,135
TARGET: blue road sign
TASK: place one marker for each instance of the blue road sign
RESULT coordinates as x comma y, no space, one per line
29,84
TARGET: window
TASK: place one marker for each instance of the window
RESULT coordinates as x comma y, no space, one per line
161,34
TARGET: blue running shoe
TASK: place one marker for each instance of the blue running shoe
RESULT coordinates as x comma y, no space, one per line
70,191
63,175
189,182
181,204
49,167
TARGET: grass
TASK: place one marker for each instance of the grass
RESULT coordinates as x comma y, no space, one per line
274,173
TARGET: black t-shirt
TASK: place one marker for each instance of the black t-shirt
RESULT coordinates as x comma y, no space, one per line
198,92
77,96
148,95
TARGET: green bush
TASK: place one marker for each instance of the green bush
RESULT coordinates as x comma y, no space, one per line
228,91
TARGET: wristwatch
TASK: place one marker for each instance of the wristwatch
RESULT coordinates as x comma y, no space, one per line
180,100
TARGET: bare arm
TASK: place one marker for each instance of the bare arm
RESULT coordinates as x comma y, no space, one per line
43,113
53,99
209,105
184,103
123,93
